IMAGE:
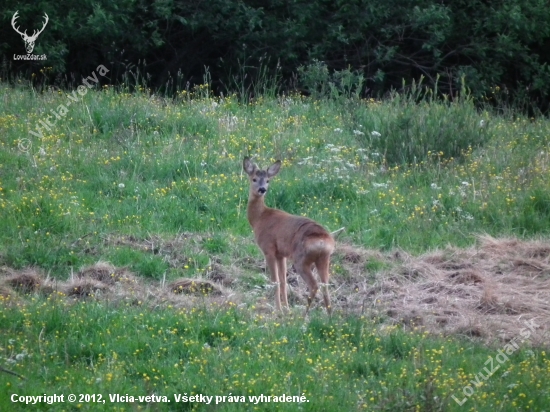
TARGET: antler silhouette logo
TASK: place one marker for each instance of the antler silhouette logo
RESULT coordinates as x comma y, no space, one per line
29,40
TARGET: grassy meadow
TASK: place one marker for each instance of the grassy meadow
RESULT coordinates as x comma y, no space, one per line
115,169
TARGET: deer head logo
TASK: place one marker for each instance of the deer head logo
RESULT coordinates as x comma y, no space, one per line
29,40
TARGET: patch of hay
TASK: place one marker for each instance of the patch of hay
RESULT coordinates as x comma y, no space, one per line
351,255
6,271
466,277
197,287
106,273
5,292
25,281
218,275
84,288
251,264
471,331
486,292
47,289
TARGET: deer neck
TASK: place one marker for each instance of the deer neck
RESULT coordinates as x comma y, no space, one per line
256,206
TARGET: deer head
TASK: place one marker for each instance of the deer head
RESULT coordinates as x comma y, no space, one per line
29,40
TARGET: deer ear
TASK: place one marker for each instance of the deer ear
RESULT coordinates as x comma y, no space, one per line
274,169
248,166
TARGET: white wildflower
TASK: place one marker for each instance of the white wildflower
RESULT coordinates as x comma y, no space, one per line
121,186
358,133
305,160
435,186
228,122
338,130
374,133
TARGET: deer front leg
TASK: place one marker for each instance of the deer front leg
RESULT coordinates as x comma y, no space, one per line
273,271
281,265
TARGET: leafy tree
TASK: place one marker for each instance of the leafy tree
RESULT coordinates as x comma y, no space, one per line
502,43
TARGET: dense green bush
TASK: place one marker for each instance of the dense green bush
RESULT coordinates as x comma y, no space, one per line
500,44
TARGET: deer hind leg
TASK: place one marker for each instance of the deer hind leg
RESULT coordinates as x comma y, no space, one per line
322,265
273,271
305,271
281,266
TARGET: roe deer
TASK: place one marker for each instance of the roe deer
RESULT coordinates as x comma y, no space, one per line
281,235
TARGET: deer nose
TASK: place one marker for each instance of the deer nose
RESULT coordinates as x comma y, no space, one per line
262,190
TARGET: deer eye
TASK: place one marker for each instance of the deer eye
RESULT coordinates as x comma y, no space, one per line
267,181
253,180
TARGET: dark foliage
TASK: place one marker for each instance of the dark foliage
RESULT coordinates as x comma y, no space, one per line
494,45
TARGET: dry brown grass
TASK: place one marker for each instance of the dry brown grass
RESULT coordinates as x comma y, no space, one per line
6,292
117,285
198,287
84,288
28,280
106,273
485,292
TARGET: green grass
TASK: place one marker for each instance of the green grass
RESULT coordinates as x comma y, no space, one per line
343,364
134,164
137,165
120,164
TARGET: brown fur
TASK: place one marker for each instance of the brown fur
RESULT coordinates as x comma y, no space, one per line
281,235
